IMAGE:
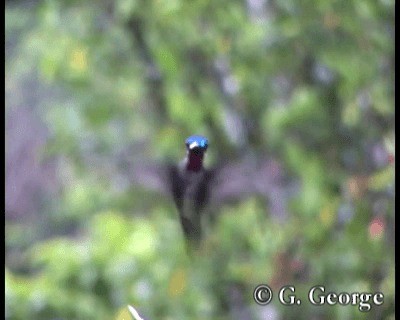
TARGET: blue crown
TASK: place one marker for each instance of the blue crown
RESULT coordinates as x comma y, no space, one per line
196,141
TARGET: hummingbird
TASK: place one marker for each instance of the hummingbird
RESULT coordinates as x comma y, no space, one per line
190,186
199,192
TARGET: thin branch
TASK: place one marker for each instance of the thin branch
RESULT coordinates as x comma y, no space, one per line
134,313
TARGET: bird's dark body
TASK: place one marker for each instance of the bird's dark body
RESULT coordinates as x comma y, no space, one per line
199,192
190,190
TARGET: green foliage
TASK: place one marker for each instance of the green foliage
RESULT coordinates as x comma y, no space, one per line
311,83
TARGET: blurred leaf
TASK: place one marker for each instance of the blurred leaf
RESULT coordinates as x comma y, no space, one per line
382,179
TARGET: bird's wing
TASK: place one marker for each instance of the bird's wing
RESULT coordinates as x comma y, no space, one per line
165,179
148,175
226,183
175,184
235,181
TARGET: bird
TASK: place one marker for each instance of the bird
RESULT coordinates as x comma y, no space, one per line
190,185
199,192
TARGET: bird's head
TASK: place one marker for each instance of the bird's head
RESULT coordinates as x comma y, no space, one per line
196,146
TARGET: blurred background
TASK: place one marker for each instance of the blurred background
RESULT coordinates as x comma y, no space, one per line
93,86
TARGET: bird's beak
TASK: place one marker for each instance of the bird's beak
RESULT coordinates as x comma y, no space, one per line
193,145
